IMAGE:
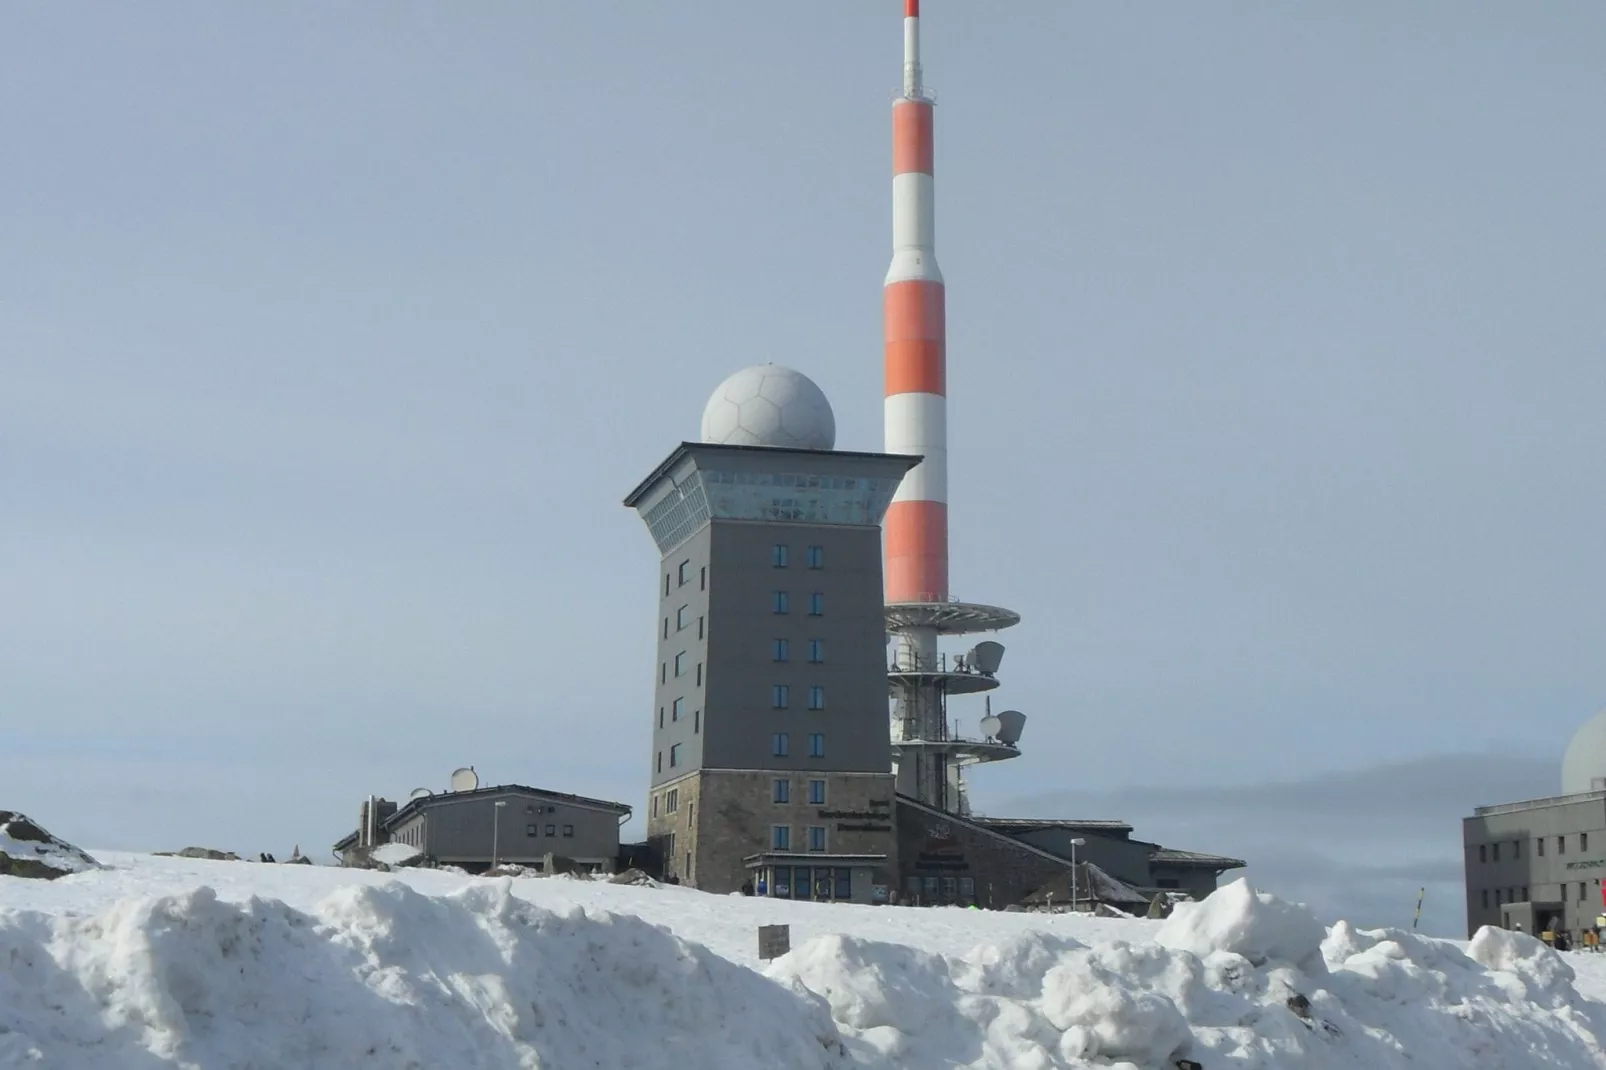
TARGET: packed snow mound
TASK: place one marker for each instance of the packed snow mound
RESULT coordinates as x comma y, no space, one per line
1249,989
382,976
27,850
1241,921
396,854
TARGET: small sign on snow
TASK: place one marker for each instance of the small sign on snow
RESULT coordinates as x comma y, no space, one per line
774,941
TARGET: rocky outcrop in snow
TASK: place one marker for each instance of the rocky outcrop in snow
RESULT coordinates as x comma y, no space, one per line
27,850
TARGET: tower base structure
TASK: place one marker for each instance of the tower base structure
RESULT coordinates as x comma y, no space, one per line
929,754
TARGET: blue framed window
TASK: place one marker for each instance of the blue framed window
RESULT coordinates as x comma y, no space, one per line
782,603
781,791
817,651
780,650
780,696
816,793
816,837
816,697
817,604
780,745
816,557
816,745
780,838
778,555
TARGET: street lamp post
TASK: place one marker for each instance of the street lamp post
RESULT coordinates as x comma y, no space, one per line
1077,842
496,827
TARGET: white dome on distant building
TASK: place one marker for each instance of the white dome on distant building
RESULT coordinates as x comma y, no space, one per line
769,405
1585,760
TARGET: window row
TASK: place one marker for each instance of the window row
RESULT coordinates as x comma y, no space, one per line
781,791
683,621
781,697
677,711
781,744
674,758
534,830
781,837
683,576
683,666
780,556
1490,852
1503,896
671,804
781,650
781,603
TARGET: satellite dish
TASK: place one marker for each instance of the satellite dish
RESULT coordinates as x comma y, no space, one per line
1010,725
986,657
991,726
465,779
420,793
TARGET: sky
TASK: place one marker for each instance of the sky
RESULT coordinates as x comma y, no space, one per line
332,336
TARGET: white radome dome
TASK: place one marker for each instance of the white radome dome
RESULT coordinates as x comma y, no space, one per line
1585,760
768,405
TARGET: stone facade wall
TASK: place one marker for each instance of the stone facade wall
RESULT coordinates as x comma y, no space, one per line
1002,870
672,834
735,815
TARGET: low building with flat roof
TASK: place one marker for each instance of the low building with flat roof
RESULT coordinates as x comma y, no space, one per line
480,827
1537,864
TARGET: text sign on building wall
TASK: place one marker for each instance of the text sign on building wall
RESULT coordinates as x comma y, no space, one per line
774,941
1592,863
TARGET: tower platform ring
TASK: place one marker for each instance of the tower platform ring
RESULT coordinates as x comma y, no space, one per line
966,751
952,683
949,618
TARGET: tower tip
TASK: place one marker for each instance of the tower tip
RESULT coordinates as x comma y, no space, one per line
911,9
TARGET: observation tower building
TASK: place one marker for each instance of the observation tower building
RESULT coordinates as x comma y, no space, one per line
771,762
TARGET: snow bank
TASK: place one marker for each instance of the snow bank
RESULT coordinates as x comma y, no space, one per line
1238,920
395,854
385,977
26,850
354,968
1240,980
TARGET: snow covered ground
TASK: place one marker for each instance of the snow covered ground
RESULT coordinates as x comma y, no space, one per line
166,962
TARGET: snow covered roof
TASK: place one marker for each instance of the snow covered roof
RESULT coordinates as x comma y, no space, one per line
415,806
1028,824
1170,856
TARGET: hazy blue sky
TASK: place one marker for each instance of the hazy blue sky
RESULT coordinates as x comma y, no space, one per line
332,336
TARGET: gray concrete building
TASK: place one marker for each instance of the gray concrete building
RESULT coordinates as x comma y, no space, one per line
800,736
509,823
1537,864
770,759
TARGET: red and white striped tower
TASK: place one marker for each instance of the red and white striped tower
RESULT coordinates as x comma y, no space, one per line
928,757
915,341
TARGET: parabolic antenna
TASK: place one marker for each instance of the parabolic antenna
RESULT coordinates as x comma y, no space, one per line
465,779
1010,725
986,657
990,727
420,793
